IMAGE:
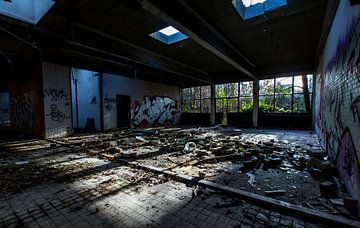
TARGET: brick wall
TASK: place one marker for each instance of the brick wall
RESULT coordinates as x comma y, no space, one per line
337,100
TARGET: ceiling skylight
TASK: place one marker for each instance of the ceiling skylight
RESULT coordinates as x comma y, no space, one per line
168,35
248,3
253,8
169,31
30,11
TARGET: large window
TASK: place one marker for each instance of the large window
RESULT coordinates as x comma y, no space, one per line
286,94
227,97
196,99
278,95
245,96
230,97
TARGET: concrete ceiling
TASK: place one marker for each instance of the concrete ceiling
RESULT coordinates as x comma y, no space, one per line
113,36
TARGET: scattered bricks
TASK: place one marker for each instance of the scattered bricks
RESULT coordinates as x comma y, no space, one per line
328,189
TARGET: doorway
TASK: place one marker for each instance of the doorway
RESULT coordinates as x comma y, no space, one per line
123,110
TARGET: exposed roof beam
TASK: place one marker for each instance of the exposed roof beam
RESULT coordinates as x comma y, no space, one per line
144,50
133,55
209,37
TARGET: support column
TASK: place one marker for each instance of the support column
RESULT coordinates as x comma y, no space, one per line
213,104
101,101
255,102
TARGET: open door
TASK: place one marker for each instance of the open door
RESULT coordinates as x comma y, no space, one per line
123,110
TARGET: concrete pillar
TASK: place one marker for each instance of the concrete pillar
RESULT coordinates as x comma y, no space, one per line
256,102
26,98
40,99
213,104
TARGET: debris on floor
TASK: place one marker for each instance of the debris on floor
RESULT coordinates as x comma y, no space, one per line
291,167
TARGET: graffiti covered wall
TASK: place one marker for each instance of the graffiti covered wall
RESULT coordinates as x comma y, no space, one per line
57,100
26,100
153,111
337,100
152,104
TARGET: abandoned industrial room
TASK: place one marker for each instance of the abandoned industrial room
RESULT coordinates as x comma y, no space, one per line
180,113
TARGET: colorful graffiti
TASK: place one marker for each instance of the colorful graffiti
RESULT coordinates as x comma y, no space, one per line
22,114
154,111
338,108
347,162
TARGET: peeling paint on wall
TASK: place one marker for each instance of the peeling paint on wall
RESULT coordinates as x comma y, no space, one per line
152,111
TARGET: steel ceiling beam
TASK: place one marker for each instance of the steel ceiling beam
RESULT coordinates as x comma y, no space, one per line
180,15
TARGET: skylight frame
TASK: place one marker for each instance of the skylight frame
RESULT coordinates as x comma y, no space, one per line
248,11
168,35
29,11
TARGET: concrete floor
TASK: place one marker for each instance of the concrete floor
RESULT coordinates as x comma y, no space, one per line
62,186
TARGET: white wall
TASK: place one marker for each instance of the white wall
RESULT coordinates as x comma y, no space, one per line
88,97
4,108
161,102
57,100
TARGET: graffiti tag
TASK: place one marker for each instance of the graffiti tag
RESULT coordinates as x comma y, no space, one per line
56,94
22,114
109,103
56,115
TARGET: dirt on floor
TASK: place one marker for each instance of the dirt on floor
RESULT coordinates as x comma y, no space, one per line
287,165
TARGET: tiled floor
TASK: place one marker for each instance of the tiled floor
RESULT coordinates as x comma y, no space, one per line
103,194
63,188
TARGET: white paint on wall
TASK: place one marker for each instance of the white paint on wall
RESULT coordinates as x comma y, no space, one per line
87,97
140,93
57,100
